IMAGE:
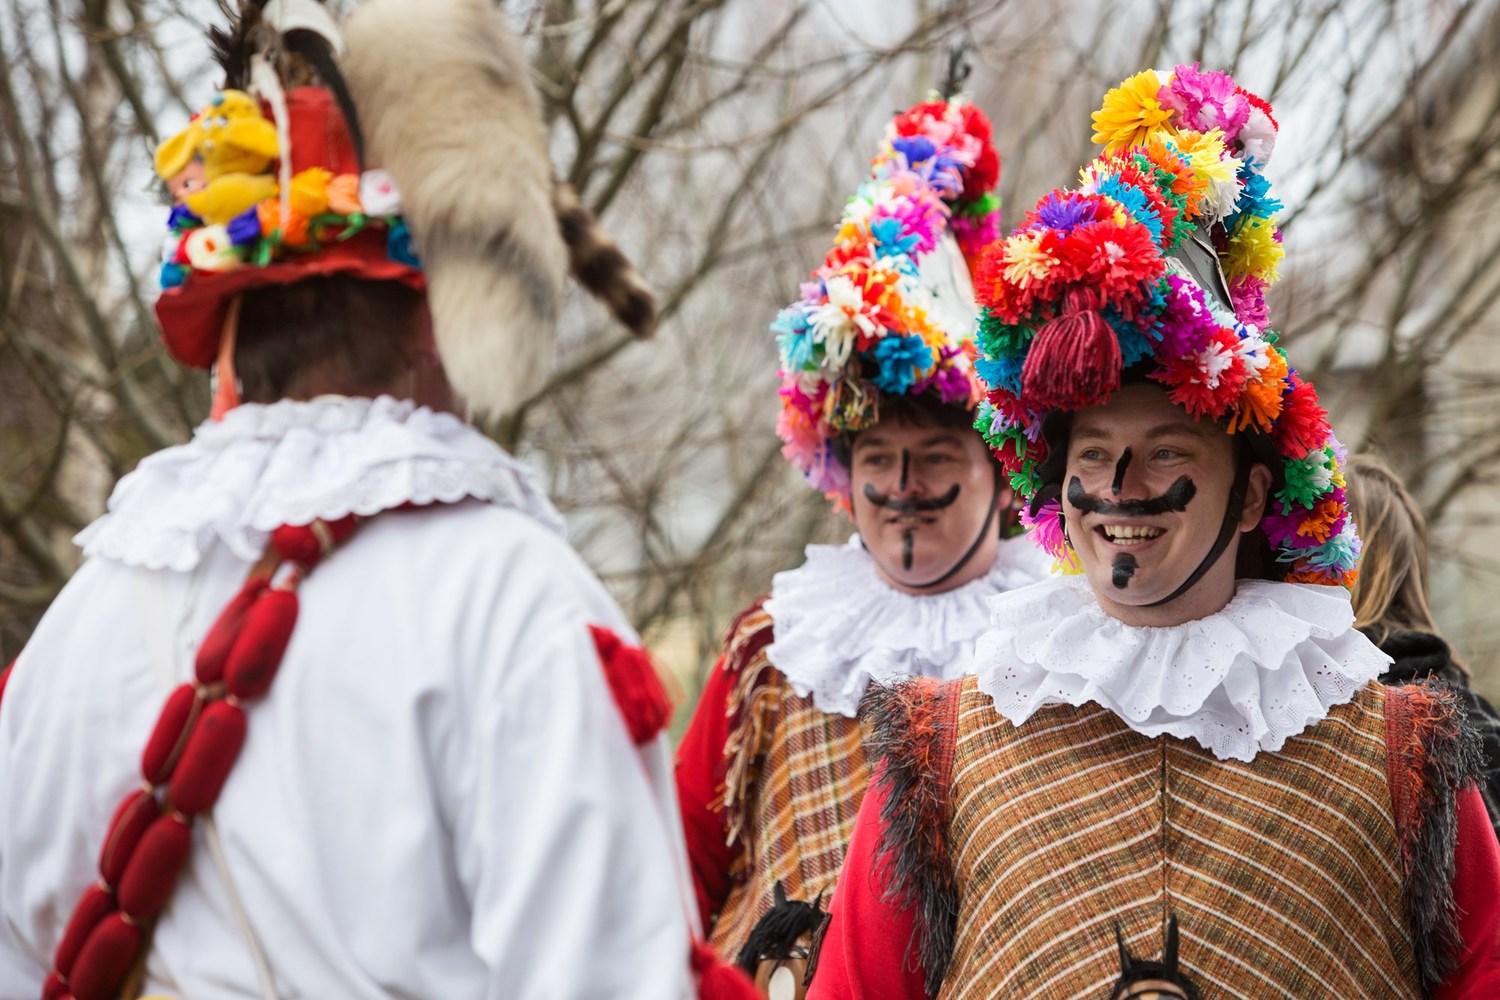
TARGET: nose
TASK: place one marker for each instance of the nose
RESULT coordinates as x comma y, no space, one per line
1129,482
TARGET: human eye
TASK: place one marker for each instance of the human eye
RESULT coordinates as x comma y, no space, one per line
1091,454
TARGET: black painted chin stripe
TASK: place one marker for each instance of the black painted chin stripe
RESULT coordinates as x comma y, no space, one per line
963,561
1232,511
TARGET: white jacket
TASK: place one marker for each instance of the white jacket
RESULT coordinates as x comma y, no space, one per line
437,798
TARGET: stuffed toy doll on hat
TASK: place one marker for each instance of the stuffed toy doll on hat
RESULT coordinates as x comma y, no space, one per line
1156,264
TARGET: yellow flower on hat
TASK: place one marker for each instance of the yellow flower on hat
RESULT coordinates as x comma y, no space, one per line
1253,249
1130,113
309,191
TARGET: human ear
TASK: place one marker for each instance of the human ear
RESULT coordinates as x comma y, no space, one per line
1257,493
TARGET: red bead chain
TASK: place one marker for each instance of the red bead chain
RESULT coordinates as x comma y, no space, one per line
192,749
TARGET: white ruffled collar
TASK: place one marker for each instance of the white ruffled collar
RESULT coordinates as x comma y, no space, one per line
289,462
838,626
1267,666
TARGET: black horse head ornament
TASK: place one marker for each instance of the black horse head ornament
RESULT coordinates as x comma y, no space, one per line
777,953
1141,979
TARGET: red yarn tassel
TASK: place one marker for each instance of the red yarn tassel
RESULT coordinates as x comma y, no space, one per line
261,644
718,980
638,691
1074,359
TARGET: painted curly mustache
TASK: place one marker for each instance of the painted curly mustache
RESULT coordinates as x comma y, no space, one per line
912,505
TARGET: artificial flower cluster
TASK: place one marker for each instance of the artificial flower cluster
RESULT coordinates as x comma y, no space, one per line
230,210
876,318
1088,286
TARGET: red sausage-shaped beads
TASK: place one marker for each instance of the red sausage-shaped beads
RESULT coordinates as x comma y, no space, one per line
94,905
256,656
211,751
152,872
105,959
136,812
170,735
221,638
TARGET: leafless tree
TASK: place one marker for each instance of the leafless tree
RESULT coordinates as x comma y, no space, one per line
718,139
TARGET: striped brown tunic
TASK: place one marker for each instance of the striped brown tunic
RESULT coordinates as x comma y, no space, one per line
796,778
1289,874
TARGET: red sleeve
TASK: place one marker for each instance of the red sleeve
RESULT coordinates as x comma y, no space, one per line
1476,890
700,783
867,946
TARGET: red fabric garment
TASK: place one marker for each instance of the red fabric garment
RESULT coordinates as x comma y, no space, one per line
867,950
1476,890
701,767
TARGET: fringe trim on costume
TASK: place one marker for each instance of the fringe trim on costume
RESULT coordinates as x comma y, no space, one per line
752,703
1431,752
913,726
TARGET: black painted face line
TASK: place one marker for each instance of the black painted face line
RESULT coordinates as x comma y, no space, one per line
907,540
911,505
1120,467
905,468
984,529
1124,568
1175,499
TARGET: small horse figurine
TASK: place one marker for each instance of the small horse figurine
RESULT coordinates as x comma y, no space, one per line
776,953
1141,979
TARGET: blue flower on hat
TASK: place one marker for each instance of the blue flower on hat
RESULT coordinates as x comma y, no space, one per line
172,275
892,239
244,228
901,360
794,338
398,245
182,218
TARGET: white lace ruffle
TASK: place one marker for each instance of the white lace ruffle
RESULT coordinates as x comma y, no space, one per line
1269,665
290,462
838,626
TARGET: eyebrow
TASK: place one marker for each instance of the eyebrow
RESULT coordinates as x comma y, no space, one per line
875,440
1195,429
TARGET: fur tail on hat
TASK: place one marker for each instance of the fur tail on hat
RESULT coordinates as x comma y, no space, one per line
601,266
449,111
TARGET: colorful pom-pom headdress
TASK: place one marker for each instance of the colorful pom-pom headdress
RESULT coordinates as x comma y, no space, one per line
1158,263
889,312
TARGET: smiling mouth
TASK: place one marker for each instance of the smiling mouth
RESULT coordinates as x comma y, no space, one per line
912,519
1130,534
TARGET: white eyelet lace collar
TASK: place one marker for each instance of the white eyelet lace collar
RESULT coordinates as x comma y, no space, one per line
1267,666
838,626
289,462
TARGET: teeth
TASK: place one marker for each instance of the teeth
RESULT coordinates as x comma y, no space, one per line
1130,534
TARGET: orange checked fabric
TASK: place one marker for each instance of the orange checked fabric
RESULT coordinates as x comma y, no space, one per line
1284,873
795,779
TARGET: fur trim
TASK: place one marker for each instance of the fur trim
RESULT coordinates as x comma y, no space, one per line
913,726
450,112
600,265
1431,753
752,706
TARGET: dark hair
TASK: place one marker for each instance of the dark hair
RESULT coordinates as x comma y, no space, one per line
925,410
328,334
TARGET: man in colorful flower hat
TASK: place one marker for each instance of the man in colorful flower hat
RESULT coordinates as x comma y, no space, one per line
332,710
1184,751
877,395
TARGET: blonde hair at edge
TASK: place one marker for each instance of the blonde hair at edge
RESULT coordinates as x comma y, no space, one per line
1391,592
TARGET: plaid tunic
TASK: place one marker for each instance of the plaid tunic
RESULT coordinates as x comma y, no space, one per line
796,776
1287,874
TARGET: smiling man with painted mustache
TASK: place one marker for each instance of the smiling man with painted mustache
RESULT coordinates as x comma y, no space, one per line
878,398
1190,734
